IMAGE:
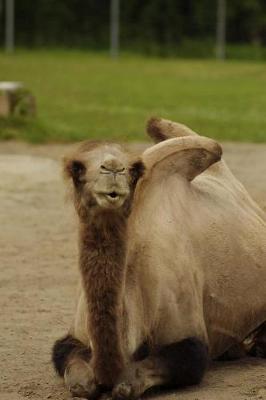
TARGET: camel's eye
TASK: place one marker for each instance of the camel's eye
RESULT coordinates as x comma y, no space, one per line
78,169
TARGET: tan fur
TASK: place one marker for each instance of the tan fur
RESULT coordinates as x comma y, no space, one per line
225,233
183,256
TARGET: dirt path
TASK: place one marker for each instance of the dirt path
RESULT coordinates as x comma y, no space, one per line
38,275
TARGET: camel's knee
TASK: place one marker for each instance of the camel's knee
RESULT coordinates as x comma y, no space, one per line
185,361
66,349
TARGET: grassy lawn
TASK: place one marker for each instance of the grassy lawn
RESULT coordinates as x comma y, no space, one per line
85,95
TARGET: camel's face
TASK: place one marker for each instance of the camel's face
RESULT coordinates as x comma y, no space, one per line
102,176
107,176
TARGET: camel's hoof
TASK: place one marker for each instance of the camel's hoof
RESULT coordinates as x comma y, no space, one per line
78,398
123,391
78,390
106,396
80,382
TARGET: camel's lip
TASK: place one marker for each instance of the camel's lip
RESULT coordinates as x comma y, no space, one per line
113,196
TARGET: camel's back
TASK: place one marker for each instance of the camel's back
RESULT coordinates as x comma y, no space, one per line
233,254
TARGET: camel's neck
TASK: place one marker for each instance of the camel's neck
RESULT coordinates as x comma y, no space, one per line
103,268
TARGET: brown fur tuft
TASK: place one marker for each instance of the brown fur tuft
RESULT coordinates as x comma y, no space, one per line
102,264
68,348
136,171
154,130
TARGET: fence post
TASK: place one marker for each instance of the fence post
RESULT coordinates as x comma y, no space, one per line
10,26
221,29
114,28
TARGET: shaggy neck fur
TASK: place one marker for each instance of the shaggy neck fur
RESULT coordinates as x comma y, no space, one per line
103,268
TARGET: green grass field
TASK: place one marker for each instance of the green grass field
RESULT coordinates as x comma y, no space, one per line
86,95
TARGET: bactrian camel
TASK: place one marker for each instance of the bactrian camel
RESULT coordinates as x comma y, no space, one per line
172,256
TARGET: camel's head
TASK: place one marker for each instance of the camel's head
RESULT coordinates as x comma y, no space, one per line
103,176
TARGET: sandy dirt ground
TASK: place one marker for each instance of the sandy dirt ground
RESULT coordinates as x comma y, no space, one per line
38,275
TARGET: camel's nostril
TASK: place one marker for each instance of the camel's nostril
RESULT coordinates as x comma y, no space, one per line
112,170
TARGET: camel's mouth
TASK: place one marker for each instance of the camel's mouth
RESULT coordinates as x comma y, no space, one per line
112,199
113,195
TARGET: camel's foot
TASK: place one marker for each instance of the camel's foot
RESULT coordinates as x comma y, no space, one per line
78,398
79,380
136,379
177,364
123,391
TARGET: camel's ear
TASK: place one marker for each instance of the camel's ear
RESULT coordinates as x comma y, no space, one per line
74,169
187,156
162,129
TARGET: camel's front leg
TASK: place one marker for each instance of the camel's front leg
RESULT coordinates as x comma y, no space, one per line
177,364
71,361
